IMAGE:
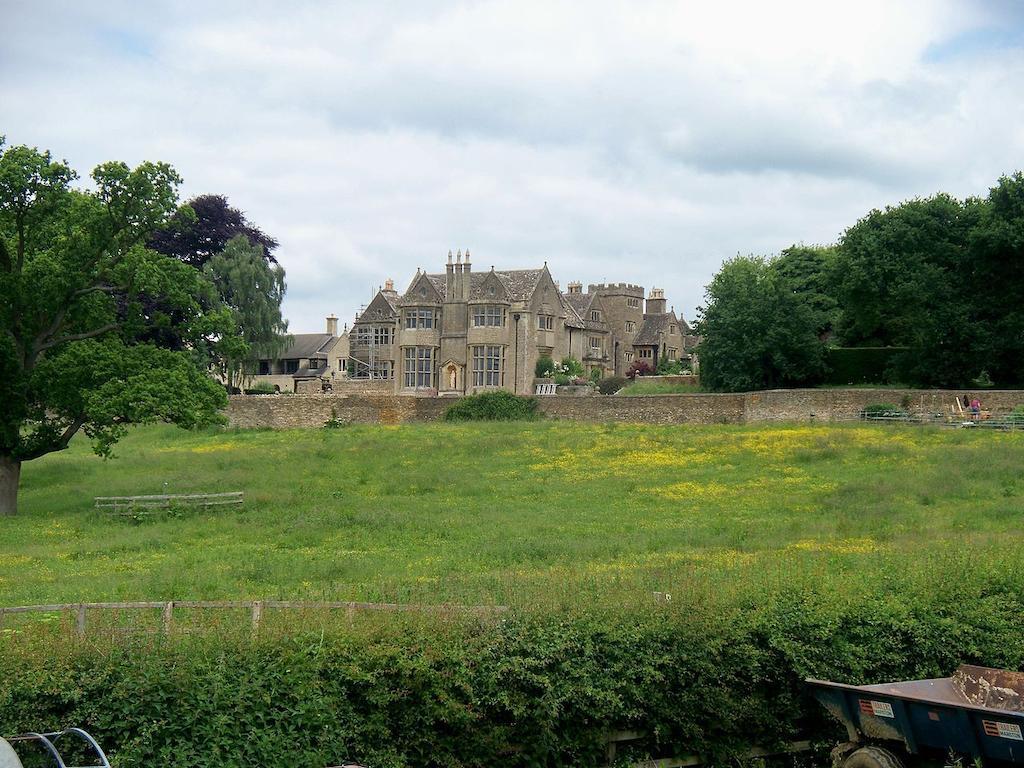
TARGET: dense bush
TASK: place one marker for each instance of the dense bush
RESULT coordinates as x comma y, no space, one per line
261,388
493,406
544,368
526,691
639,368
611,385
883,411
864,365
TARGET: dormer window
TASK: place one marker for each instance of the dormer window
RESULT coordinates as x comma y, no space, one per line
595,316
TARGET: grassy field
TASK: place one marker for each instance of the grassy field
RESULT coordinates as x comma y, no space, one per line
523,514
641,387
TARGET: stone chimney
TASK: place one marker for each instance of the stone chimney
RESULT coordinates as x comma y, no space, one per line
656,302
389,284
449,279
332,325
465,277
575,287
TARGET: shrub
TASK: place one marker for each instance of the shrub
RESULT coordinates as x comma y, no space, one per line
639,368
863,365
883,411
544,368
595,375
529,690
668,367
493,406
572,367
261,388
611,385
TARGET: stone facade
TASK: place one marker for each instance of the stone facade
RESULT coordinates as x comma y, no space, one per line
310,361
281,412
462,331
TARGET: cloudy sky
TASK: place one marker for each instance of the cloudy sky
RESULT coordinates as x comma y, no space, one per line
634,141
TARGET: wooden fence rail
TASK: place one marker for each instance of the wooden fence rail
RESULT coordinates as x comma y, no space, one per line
130,505
256,609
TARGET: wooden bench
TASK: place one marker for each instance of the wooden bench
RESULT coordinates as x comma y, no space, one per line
133,505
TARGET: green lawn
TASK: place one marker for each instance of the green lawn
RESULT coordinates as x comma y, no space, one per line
641,387
522,514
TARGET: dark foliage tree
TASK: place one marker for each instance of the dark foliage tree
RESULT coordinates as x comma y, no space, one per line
809,271
757,333
202,228
77,291
904,279
996,276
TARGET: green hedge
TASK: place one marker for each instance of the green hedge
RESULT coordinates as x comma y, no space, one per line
863,365
525,691
493,406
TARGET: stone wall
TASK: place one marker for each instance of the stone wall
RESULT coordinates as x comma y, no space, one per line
286,411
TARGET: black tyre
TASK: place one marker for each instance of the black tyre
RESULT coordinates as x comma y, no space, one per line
872,757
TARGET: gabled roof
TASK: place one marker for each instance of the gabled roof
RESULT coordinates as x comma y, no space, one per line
655,328
582,304
384,306
573,318
411,296
519,284
306,345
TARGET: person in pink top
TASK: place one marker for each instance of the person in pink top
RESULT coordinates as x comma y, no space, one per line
975,407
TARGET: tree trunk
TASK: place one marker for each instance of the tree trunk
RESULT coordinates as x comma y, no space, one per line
10,473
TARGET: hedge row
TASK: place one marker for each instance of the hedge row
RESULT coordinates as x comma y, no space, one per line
526,691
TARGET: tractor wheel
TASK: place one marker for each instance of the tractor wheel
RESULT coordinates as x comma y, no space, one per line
872,757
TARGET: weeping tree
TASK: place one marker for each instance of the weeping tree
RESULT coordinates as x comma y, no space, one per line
252,288
80,299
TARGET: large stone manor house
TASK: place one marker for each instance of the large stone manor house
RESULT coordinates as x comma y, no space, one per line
462,332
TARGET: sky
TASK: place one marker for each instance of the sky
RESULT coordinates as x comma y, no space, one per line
640,142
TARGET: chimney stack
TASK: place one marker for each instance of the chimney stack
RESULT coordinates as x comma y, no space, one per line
575,287
656,302
465,277
332,325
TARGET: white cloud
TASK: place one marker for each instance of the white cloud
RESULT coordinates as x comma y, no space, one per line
641,141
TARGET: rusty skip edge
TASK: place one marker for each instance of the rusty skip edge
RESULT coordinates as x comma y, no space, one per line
983,689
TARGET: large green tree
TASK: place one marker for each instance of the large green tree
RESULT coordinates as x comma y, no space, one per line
757,331
995,278
79,297
253,289
809,271
903,279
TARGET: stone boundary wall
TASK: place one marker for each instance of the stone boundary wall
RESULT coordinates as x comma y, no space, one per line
287,411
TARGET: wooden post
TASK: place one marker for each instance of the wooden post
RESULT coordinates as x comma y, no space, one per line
2,612
168,616
80,620
257,616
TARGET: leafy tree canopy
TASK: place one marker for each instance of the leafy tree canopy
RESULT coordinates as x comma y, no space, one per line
757,332
79,298
253,289
203,227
